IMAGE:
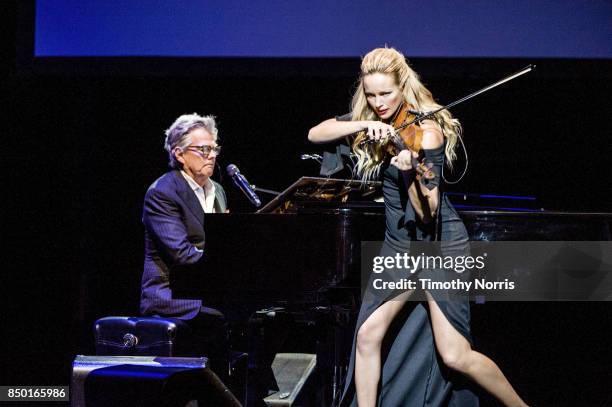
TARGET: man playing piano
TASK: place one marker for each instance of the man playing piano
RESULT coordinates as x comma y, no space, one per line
173,217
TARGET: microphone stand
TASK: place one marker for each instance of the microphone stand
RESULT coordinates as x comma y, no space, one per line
265,191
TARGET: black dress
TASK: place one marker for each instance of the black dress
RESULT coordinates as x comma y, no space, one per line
412,372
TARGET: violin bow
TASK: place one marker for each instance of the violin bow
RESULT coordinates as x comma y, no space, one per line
421,115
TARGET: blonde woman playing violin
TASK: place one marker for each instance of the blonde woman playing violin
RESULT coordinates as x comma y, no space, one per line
430,349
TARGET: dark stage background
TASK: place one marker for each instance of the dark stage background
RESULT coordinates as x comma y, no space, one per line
83,139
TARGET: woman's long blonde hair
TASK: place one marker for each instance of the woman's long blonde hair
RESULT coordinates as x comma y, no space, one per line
389,61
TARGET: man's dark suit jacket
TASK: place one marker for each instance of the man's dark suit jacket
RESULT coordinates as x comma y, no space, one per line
174,237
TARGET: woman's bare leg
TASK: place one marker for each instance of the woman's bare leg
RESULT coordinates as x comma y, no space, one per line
458,355
367,355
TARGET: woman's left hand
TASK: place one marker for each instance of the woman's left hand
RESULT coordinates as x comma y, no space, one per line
403,161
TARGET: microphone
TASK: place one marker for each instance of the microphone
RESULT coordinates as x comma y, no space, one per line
243,184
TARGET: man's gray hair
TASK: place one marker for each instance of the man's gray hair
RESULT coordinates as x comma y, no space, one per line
176,135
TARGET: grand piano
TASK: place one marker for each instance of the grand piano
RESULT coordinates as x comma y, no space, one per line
301,253
308,239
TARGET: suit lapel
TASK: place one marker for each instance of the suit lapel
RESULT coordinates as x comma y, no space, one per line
188,196
220,204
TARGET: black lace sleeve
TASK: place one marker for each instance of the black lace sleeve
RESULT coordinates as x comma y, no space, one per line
431,161
336,153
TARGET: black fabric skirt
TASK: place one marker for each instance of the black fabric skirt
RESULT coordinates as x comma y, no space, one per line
412,372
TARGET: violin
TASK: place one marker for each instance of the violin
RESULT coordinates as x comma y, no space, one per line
408,132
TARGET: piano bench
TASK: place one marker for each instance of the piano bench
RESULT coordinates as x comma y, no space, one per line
142,336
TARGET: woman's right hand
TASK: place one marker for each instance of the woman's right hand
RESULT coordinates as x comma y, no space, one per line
378,131
403,161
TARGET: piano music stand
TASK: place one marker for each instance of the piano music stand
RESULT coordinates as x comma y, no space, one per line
320,193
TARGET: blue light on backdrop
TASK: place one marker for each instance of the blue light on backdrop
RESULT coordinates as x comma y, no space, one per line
320,28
